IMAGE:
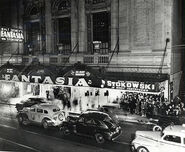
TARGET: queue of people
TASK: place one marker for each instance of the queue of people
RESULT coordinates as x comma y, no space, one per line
150,105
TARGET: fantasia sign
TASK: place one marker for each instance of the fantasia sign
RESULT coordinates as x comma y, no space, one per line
9,34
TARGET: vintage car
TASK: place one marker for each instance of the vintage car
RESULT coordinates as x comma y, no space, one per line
44,114
93,124
29,102
171,139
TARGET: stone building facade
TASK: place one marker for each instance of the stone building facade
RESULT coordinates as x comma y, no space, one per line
136,40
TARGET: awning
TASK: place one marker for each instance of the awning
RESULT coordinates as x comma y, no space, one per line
8,70
82,75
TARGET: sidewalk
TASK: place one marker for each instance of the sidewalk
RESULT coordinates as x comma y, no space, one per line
134,118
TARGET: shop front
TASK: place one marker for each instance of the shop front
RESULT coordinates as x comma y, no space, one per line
78,89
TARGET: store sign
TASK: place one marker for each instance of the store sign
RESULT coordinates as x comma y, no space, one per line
130,85
9,34
84,82
48,80
80,73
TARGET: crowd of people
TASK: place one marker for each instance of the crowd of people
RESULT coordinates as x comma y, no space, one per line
151,105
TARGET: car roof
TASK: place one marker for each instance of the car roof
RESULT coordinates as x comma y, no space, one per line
175,130
35,98
46,106
95,115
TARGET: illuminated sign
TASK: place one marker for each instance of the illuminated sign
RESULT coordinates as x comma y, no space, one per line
8,34
47,80
131,85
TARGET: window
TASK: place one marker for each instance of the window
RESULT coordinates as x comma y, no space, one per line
101,32
32,109
90,122
65,4
56,110
45,111
81,120
64,37
172,138
40,110
33,37
34,11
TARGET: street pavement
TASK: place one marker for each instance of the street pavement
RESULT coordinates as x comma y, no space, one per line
35,138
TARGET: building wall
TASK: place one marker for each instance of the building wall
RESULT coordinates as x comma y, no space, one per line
11,17
177,49
141,26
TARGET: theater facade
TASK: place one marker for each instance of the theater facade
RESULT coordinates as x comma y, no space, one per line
96,50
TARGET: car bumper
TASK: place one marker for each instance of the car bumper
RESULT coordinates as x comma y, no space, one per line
54,124
113,135
116,135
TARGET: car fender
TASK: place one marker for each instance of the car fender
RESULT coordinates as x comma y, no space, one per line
49,121
150,144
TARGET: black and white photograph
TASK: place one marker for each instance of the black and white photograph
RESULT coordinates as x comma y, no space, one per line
92,75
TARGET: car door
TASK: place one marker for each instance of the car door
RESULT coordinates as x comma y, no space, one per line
171,143
90,126
38,115
32,113
81,126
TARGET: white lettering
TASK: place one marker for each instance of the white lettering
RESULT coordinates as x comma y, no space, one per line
25,79
47,80
36,78
147,86
15,78
129,85
82,82
7,77
135,85
60,80
70,81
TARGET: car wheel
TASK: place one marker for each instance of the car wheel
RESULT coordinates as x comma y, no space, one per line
99,138
20,119
142,149
157,128
65,131
23,120
45,124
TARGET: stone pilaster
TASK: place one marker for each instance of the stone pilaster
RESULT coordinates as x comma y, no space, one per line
74,24
48,24
114,23
82,26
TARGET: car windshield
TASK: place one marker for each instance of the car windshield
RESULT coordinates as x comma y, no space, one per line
109,122
108,119
56,109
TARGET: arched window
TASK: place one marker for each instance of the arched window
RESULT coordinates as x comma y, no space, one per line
34,11
65,4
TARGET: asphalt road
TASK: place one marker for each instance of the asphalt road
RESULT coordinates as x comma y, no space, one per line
36,139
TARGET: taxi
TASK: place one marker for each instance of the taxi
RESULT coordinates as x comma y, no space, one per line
171,139
44,114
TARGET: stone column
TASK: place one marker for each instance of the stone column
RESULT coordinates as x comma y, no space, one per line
48,23
74,24
82,26
114,23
